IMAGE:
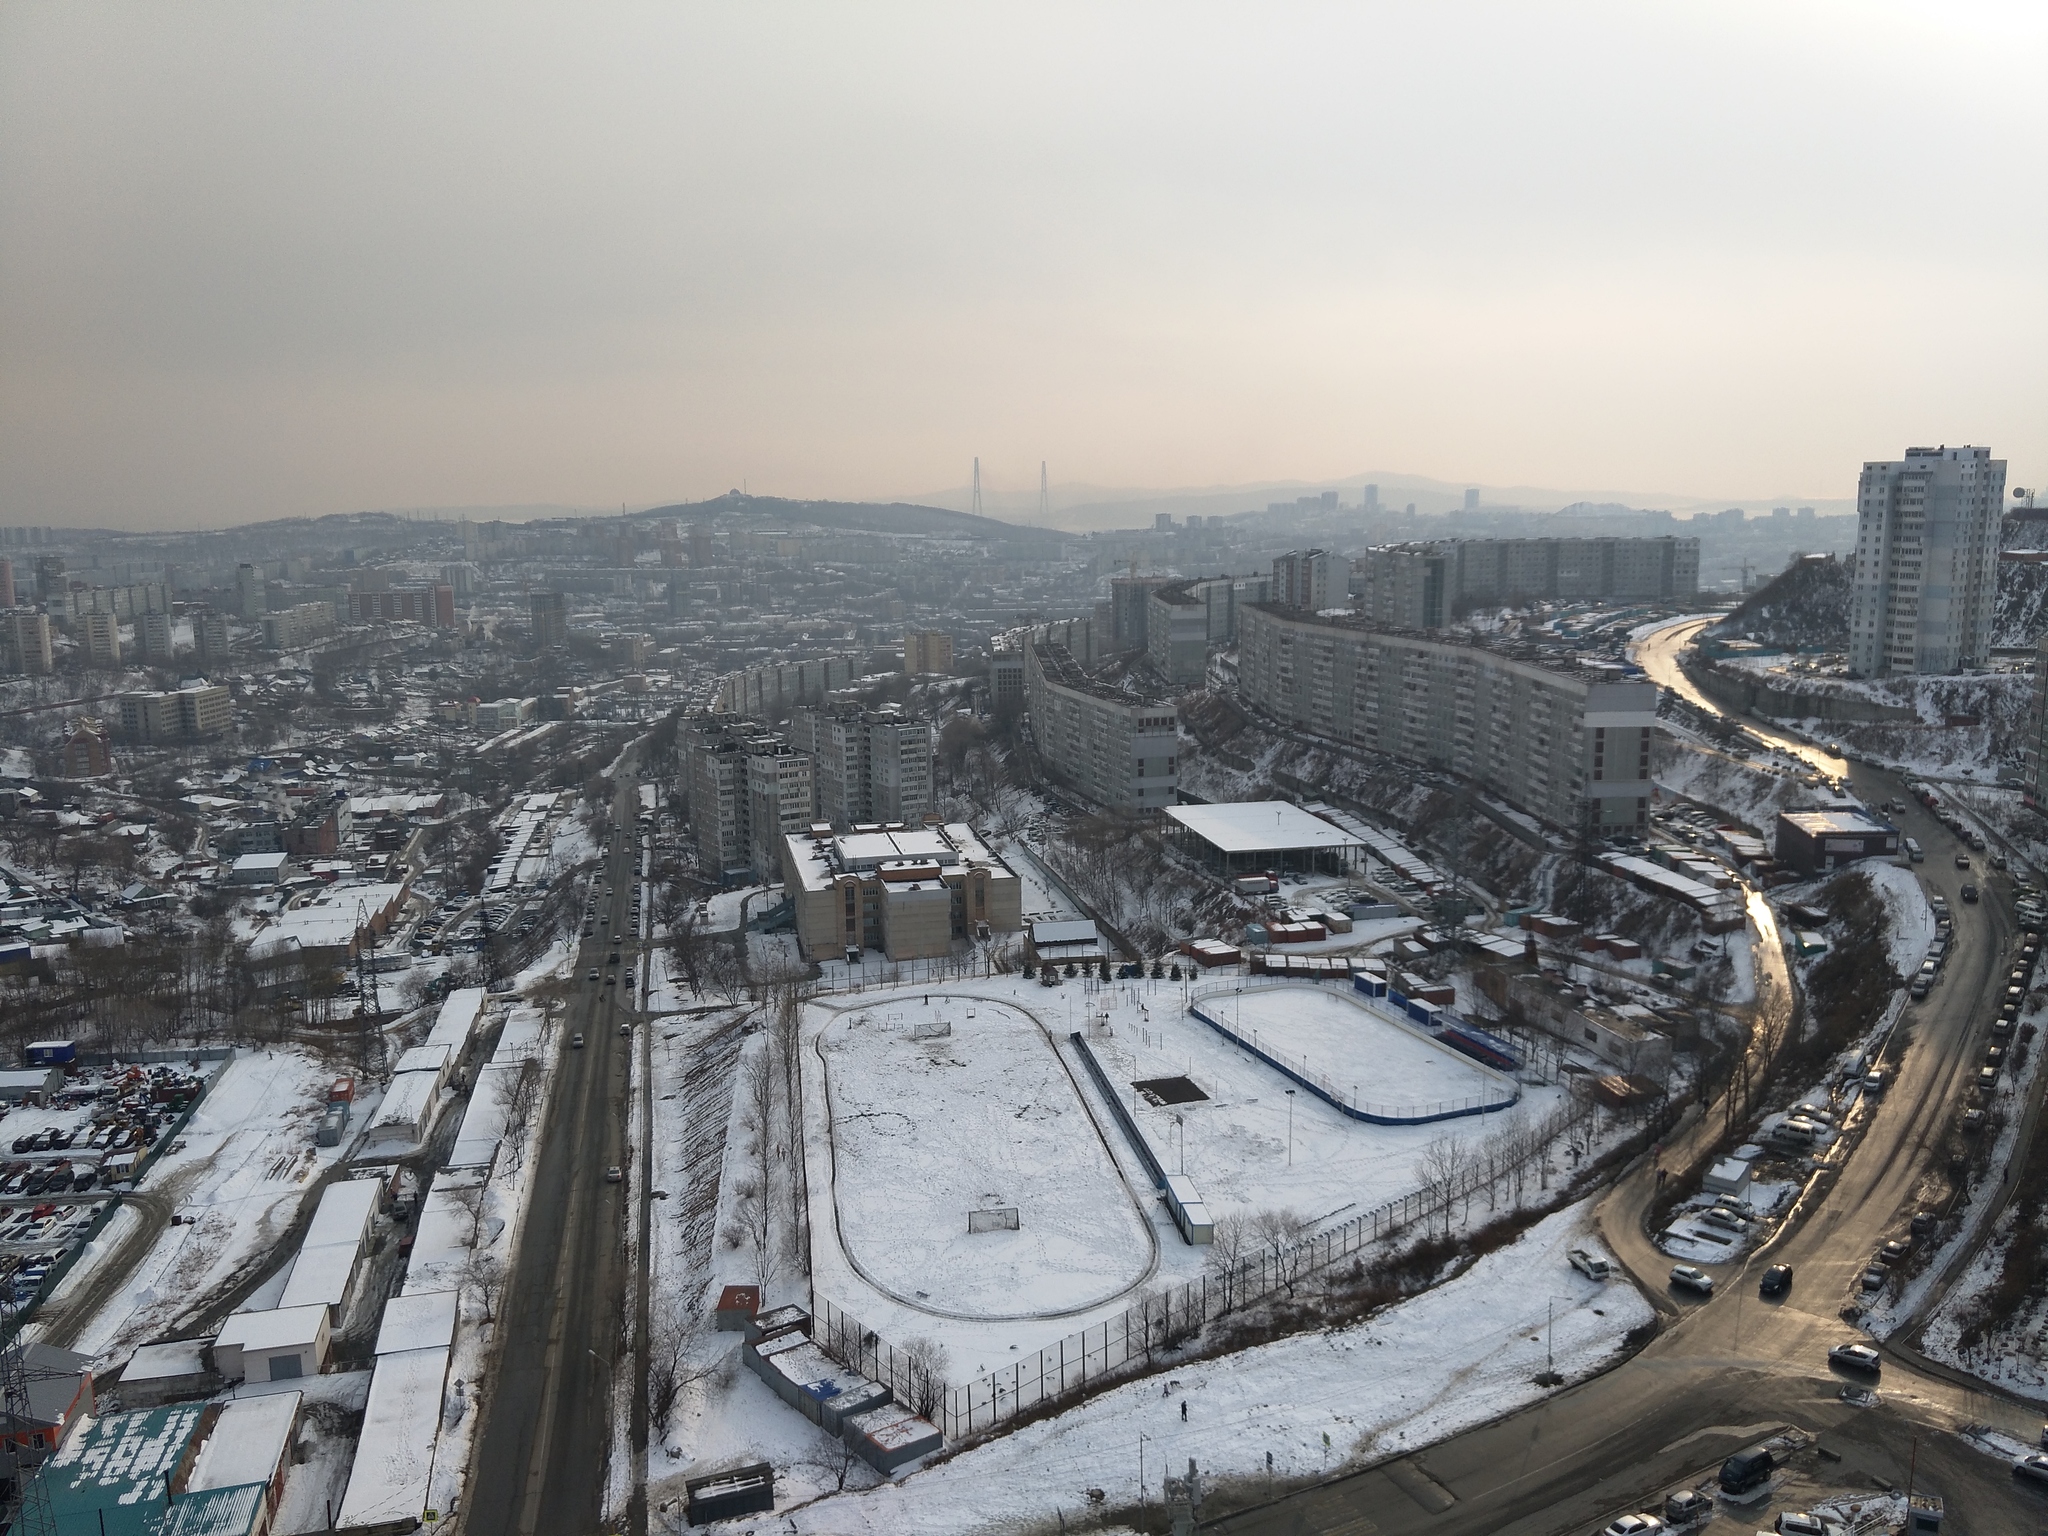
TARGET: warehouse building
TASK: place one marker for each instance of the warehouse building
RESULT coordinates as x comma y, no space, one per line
1566,740
1813,842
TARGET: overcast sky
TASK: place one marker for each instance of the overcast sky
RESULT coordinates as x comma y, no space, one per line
280,259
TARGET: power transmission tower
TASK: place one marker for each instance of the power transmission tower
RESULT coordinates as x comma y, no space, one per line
1044,497
977,486
26,1510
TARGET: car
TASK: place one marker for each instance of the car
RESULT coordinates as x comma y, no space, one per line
1873,1080
1747,1470
1856,1357
1691,1278
1999,861
1777,1281
614,1174
614,959
611,981
1791,1524
2033,1468
1969,893
626,1028
576,1042
1686,1506
591,977
1923,1223
1633,1525
1962,861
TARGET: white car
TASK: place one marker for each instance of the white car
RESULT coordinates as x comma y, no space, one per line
1692,1279
1634,1525
1856,1357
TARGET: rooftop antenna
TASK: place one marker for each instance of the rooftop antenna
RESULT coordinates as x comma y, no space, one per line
977,486
1044,496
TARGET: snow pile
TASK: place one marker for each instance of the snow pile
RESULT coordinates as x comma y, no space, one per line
1459,1355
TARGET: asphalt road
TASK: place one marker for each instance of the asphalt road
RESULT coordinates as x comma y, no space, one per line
1724,1374
545,1440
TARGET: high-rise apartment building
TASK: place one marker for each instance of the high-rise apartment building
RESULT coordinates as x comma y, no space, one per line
427,603
1566,742
191,713
1127,596
1118,749
927,650
1926,562
1426,586
6,583
101,633
869,765
210,639
549,613
1301,579
153,638
747,788
250,590
28,635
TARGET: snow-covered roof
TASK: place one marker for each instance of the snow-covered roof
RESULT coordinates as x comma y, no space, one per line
248,1442
1064,931
870,850
320,1276
344,1212
161,1362
395,1453
425,1320
429,1058
457,1018
405,1106
1260,826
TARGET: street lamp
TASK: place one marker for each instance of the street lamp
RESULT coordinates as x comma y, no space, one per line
1290,1127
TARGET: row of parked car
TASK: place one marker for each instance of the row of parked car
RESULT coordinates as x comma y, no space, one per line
62,1177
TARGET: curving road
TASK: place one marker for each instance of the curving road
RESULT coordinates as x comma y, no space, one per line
1723,1374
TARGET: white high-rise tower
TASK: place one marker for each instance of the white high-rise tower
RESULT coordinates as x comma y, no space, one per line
1926,562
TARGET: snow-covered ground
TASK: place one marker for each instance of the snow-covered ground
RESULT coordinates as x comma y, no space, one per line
1456,1356
248,1160
925,1131
1249,1147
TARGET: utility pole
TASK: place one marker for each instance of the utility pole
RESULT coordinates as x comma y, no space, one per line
1044,497
977,486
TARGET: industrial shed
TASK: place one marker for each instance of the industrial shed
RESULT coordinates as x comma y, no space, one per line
281,1344
1249,835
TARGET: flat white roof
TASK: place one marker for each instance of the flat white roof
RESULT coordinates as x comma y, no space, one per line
405,1106
1261,826
320,1276
1068,931
344,1213
277,1328
395,1453
160,1362
424,1320
440,1237
860,849
457,1018
425,1058
248,1442
261,861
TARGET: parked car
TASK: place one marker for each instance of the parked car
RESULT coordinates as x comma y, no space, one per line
1746,1471
1856,1357
2032,1468
1633,1525
1777,1281
1691,1278
1591,1265
1687,1506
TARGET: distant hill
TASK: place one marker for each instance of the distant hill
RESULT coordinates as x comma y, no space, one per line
859,516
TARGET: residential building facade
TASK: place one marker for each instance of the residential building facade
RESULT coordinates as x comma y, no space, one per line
927,650
1120,750
28,635
1567,743
101,634
1428,585
1301,579
869,765
1927,530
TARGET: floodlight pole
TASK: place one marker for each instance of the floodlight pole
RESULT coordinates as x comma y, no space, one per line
1290,1127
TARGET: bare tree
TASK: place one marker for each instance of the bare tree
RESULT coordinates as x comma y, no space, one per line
519,1096
483,1270
924,1364
671,1335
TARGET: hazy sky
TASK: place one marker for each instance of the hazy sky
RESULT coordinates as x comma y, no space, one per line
270,259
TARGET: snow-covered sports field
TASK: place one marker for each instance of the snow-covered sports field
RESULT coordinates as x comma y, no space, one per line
926,1130
1325,1033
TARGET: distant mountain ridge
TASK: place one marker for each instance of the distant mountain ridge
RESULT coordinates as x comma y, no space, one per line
859,516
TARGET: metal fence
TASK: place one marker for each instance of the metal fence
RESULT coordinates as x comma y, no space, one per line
1124,1344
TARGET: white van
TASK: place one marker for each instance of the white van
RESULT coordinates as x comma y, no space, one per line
1914,853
